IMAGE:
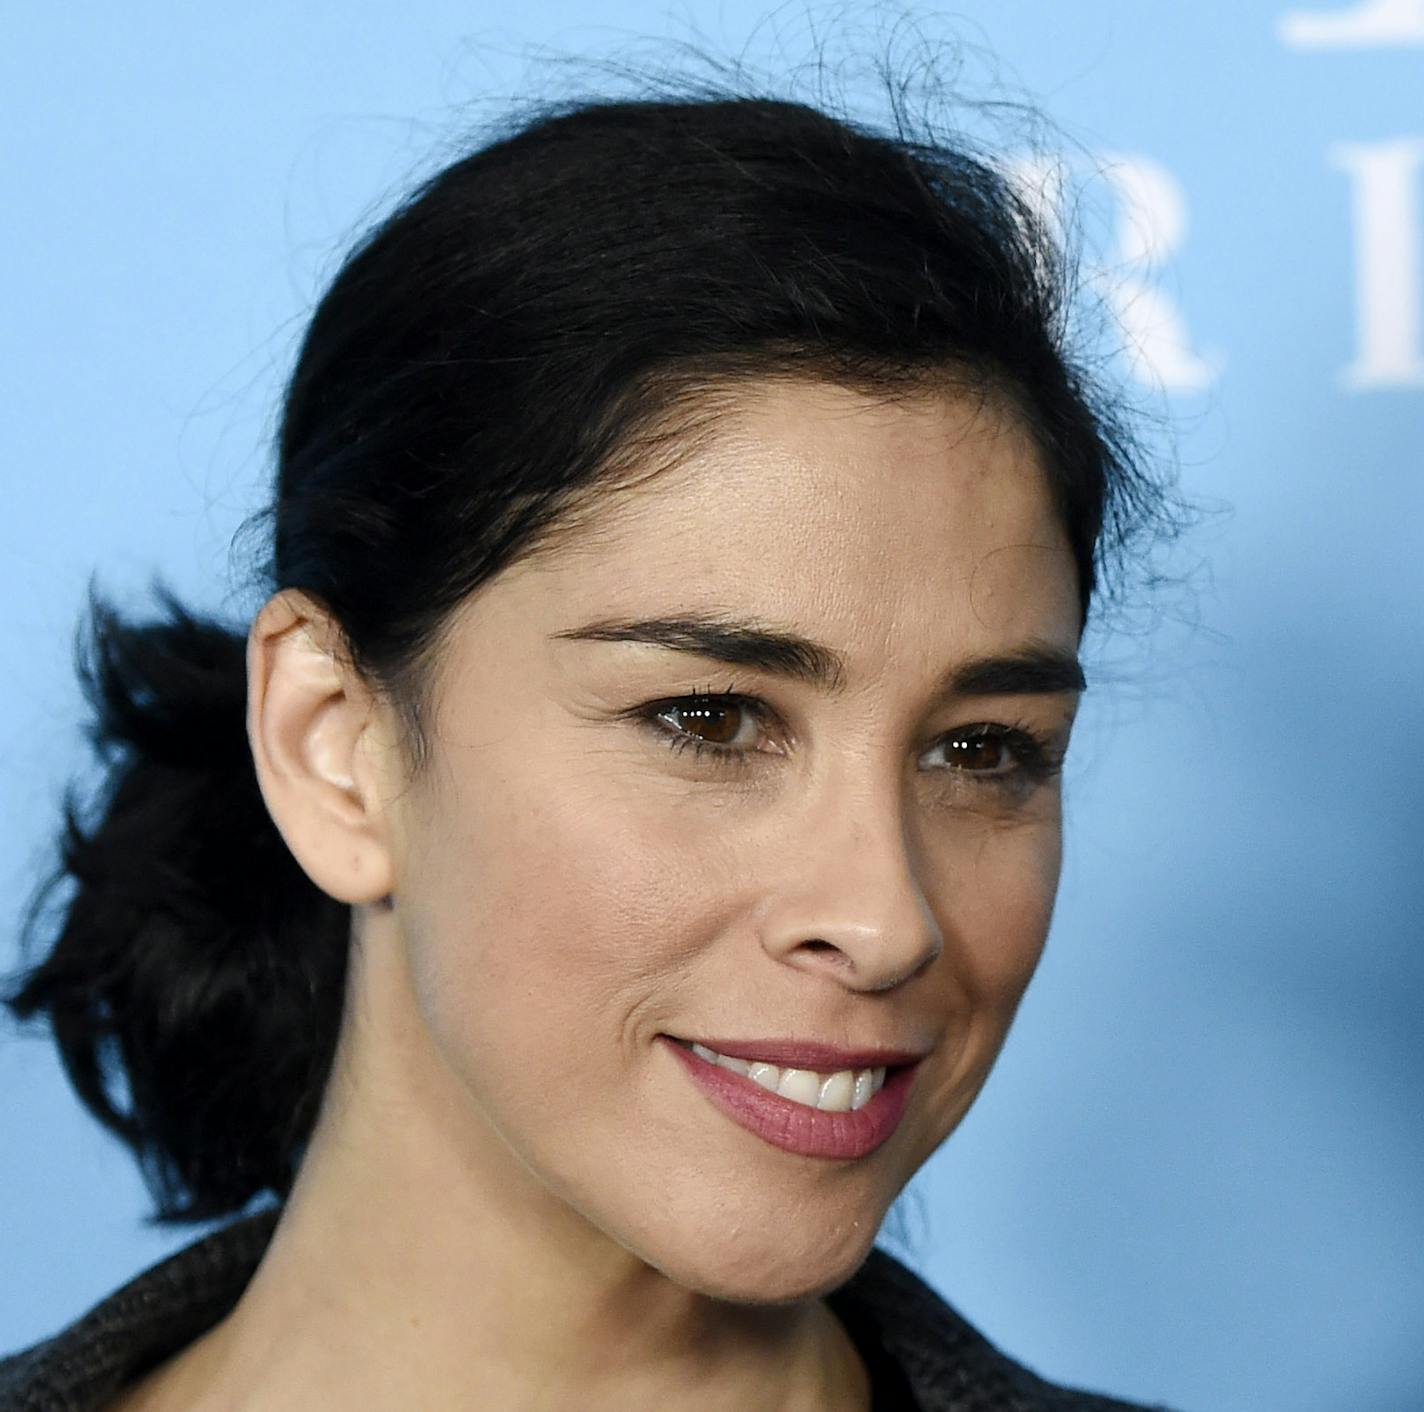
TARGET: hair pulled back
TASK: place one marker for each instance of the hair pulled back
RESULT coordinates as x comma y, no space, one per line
487,354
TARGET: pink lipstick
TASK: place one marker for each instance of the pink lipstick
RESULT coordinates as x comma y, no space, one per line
795,1127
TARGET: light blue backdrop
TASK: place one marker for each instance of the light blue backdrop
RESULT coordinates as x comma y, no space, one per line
1195,1175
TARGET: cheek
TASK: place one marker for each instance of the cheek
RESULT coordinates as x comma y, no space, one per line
994,897
999,896
561,911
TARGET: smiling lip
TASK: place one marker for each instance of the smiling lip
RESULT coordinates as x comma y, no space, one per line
794,1127
802,1054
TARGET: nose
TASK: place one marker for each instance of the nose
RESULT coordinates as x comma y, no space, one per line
849,902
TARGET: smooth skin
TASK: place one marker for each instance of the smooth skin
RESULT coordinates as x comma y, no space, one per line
515,1196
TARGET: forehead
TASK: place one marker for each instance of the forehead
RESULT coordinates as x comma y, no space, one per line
855,519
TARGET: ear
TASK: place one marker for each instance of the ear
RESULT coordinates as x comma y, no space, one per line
322,745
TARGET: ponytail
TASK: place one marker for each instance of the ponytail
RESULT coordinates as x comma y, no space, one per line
194,978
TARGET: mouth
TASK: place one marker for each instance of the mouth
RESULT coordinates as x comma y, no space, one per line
845,1107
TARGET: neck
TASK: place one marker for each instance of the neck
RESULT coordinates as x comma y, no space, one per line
417,1257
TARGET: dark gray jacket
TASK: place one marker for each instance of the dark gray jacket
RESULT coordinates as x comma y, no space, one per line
908,1334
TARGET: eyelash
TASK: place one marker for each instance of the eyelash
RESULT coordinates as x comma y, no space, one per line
1034,758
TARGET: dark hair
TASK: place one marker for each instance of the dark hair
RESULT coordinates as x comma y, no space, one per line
524,325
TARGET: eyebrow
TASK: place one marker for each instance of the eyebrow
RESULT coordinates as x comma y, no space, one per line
1032,669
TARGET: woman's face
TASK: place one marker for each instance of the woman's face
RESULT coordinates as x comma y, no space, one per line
626,839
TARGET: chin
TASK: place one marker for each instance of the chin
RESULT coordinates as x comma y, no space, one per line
775,1265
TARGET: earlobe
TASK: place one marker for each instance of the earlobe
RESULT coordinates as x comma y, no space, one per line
308,715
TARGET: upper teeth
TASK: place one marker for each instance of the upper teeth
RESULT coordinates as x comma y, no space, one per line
833,1093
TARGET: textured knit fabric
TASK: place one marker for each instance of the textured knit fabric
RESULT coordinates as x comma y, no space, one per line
907,1333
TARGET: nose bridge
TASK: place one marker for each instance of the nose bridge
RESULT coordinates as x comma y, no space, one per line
852,898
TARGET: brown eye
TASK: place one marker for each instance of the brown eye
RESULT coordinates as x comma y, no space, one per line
716,725
716,722
983,752
996,752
